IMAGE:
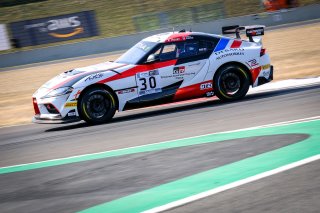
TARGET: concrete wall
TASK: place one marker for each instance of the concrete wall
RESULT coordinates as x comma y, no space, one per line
124,42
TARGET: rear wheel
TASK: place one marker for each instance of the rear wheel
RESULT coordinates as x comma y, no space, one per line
97,106
231,83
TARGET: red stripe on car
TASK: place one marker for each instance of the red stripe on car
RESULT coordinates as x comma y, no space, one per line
254,73
192,91
236,44
139,68
84,74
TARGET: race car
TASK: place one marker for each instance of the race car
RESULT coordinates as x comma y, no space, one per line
163,68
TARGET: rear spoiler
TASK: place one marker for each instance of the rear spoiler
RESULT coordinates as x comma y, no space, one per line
251,31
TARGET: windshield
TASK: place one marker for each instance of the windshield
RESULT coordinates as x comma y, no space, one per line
136,53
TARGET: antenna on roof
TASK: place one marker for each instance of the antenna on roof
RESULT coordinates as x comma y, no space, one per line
172,29
190,30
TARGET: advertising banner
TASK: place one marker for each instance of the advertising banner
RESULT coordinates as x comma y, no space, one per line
54,29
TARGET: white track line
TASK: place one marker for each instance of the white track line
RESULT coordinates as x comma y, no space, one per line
232,185
285,84
237,130
289,122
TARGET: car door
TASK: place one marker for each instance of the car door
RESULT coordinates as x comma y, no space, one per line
156,81
189,63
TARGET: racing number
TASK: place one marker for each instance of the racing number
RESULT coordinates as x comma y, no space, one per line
152,83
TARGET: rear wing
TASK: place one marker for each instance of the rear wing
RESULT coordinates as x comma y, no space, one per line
251,31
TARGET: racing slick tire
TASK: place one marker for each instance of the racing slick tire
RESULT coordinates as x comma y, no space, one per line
231,83
97,106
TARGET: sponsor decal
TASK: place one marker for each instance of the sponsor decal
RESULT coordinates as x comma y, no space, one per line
266,66
205,86
143,75
94,77
253,63
120,92
76,96
266,73
181,36
178,75
71,104
153,72
179,70
71,113
255,31
148,74
150,91
209,94
177,39
229,52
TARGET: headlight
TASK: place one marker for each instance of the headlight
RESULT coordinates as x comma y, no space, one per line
59,91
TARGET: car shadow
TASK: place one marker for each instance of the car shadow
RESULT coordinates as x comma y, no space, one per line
183,108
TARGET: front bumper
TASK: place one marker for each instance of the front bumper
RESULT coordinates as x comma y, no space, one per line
54,119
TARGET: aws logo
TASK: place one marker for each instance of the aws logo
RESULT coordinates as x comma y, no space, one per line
63,23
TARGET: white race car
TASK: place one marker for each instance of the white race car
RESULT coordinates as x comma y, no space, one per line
159,69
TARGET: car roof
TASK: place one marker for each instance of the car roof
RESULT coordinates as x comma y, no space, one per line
168,37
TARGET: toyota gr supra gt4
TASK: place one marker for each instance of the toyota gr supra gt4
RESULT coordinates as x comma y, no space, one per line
159,69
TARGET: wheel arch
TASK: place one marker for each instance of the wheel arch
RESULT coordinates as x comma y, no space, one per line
103,86
243,66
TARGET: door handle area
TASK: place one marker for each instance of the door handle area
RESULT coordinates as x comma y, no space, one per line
194,64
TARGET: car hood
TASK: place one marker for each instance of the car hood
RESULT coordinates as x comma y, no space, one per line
68,78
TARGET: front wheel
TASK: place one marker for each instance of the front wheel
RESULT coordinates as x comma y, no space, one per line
231,83
97,106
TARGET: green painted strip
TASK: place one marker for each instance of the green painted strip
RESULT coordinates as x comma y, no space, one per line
214,178
212,138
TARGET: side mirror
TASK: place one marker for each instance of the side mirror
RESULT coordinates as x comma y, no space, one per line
152,58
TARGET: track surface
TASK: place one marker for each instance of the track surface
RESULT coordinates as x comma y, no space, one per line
295,190
74,187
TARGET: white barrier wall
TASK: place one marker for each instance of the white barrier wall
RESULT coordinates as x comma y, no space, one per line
4,39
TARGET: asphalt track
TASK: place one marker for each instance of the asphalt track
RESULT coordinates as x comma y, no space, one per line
76,186
295,190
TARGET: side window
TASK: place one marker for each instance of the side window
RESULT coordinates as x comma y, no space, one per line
154,56
205,46
182,50
168,52
188,49
169,48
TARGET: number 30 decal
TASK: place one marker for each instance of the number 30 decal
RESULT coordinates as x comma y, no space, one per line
152,83
148,82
